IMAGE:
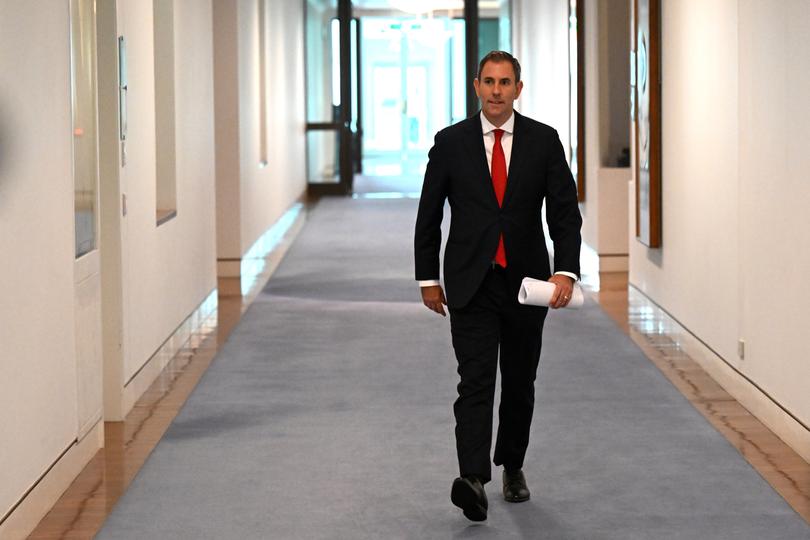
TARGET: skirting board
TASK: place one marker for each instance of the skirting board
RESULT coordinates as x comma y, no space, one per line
782,424
198,322
39,501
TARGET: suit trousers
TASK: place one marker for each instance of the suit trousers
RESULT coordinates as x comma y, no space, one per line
492,322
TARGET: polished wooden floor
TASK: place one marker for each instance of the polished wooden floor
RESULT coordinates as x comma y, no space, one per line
80,512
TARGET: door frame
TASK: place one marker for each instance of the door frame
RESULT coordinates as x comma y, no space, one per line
342,123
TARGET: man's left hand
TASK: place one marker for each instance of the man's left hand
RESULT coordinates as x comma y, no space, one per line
563,291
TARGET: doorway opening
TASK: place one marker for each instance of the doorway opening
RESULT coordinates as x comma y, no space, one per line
383,77
414,85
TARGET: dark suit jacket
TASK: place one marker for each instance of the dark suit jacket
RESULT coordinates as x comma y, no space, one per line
457,171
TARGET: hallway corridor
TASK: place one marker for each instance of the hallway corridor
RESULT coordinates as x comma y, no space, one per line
327,414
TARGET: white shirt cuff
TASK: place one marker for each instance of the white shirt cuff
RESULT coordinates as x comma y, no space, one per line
569,274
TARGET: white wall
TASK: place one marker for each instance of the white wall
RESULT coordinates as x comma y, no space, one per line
38,402
774,198
265,192
268,192
170,268
226,103
593,133
50,381
736,249
540,39
695,275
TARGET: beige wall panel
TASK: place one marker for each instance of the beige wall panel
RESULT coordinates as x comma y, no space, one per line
590,209
541,45
195,146
612,200
111,231
171,267
137,182
694,276
227,88
774,139
286,104
37,360
268,191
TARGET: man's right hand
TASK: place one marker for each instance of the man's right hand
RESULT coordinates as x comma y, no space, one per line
433,298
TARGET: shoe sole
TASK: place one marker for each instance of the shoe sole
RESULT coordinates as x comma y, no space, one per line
465,497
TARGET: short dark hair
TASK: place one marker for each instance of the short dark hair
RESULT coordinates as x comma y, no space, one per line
500,56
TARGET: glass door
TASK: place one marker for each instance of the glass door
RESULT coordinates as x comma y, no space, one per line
379,86
331,127
413,85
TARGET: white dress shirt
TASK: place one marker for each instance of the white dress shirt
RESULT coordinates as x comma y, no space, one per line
489,143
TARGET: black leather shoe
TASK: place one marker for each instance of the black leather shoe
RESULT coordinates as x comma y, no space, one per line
514,486
469,495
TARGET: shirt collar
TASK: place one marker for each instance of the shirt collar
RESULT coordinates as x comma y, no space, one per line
487,127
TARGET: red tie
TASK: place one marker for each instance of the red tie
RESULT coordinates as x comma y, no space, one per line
499,184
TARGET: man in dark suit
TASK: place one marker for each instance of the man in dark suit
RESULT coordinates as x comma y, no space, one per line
496,169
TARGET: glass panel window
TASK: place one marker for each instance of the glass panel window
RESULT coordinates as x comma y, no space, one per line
85,143
494,26
322,156
458,74
322,64
413,85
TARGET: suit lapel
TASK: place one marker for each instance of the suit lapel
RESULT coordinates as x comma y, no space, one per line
519,146
478,154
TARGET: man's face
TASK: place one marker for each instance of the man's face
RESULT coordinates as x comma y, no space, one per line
497,91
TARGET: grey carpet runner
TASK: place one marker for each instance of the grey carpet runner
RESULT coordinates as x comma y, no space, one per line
328,414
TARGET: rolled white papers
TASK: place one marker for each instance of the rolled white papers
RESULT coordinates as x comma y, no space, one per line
536,292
